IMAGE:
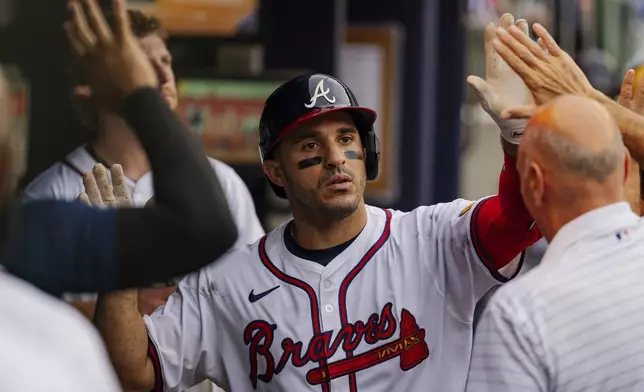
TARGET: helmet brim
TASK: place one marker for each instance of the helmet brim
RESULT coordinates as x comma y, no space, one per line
362,116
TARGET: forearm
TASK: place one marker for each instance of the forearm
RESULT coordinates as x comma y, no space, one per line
118,320
190,221
630,124
502,226
183,177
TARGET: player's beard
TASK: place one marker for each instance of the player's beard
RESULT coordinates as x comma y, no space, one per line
308,200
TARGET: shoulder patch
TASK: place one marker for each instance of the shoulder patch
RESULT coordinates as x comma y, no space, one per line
464,211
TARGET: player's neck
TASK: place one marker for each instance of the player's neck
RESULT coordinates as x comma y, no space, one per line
116,143
315,234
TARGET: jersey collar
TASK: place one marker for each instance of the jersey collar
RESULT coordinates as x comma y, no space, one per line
598,222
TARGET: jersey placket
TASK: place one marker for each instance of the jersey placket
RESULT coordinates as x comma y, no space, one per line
329,315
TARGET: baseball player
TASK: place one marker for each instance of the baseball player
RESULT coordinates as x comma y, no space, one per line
113,141
345,296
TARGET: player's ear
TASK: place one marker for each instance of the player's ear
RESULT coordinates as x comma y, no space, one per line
274,172
82,92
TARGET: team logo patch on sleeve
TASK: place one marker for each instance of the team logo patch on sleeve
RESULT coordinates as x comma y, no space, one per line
464,210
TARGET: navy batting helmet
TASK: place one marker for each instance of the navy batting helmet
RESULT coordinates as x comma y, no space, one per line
305,97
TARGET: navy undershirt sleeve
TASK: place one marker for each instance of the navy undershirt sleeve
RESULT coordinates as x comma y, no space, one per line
62,246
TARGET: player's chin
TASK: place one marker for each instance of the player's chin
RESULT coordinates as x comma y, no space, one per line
343,203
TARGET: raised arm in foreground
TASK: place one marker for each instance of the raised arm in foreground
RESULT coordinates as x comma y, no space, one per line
63,246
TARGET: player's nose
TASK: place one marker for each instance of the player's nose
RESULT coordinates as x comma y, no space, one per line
335,156
163,75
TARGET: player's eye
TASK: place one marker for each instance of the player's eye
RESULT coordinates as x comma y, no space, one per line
346,139
309,146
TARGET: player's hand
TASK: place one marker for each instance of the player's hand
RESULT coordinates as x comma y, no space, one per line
112,60
502,87
629,98
548,73
103,192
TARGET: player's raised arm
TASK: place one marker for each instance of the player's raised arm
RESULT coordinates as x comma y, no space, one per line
501,226
87,250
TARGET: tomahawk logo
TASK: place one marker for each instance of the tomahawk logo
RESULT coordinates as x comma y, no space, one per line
320,92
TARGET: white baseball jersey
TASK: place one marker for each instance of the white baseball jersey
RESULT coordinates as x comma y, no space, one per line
576,322
63,181
47,346
392,312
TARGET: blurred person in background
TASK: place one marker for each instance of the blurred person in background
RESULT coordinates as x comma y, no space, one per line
114,142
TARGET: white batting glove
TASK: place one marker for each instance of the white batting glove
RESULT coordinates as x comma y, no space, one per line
103,192
502,87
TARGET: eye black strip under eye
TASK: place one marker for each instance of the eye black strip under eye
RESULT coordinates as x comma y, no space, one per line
353,155
308,162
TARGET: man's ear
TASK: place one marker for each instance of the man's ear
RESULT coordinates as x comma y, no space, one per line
82,92
273,171
536,183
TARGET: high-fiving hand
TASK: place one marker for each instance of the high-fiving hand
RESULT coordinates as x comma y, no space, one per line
628,98
546,69
103,192
112,60
502,87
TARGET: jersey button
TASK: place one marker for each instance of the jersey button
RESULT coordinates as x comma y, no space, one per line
328,308
327,284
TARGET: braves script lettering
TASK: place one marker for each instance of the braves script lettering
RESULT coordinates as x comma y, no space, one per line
320,92
410,347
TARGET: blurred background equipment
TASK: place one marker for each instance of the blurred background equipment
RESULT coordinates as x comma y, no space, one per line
199,17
